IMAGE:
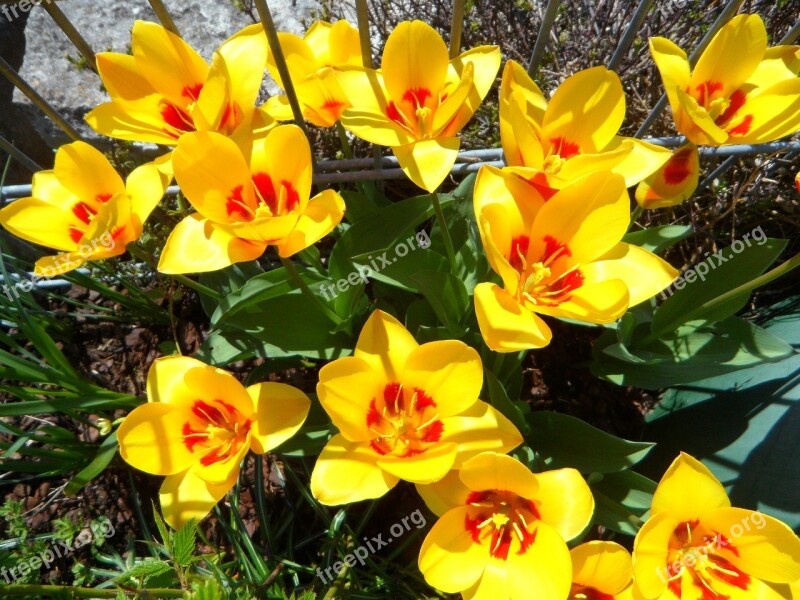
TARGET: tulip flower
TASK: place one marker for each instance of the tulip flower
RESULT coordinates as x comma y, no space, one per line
797,181
695,545
404,411
84,208
196,428
165,89
418,101
246,204
673,183
313,62
740,91
561,257
503,531
601,571
552,144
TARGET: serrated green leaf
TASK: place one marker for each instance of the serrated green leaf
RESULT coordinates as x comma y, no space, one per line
183,542
163,529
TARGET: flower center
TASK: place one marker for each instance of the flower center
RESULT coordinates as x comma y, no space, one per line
585,592
496,517
415,112
405,422
215,431
271,200
695,551
549,280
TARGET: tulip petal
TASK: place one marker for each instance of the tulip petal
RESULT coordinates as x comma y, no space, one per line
688,491
545,567
494,581
335,44
495,471
507,326
121,76
51,266
414,58
279,410
762,546
446,112
431,465
151,439
642,272
482,428
427,163
299,58
639,159
184,496
449,371
484,62
444,495
322,98
278,108
285,156
197,245
345,389
650,555
589,216
673,65
385,345
138,120
587,110
346,472
40,222
170,65
323,213
698,126
775,114
779,64
605,566
217,473
569,519
209,167
521,143
167,382
146,186
733,53
673,183
85,172
449,559
245,55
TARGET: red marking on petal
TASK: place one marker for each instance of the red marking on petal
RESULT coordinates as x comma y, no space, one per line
706,90
334,107
192,91
570,282
540,184
589,593
236,207
176,118
212,457
722,542
736,577
423,400
192,437
117,232
208,413
527,541
417,97
501,542
377,446
519,250
736,101
394,114
434,432
103,198
533,509
675,587
393,397
75,234
681,532
677,169
564,148
742,128
373,416
471,525
84,212
553,247
265,189
292,196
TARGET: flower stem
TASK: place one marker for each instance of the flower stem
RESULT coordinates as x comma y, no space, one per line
448,241
308,293
198,287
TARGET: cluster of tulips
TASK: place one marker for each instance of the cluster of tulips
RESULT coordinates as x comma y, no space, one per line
551,224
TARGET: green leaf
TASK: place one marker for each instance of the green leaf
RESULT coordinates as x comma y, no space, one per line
145,570
513,411
621,500
447,296
163,529
658,239
106,452
564,441
735,270
183,542
226,281
400,270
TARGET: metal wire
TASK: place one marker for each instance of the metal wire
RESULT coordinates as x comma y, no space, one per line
19,155
74,36
544,34
163,15
456,28
630,33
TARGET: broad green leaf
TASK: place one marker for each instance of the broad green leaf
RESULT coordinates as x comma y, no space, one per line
658,239
565,441
105,454
513,411
621,500
720,273
398,271
447,296
226,281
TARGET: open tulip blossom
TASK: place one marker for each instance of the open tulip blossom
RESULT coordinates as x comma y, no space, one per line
503,531
418,101
695,545
404,411
84,208
601,571
197,426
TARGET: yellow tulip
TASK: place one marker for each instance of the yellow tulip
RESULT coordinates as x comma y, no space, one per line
165,89
695,545
313,61
418,101
601,571
404,411
740,91
196,428
561,257
575,134
245,204
84,208
673,183
503,531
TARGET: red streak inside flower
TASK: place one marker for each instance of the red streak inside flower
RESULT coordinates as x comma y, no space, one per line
292,197
517,513
83,212
540,184
564,148
417,97
404,422
677,169
736,101
742,128
706,90
394,114
192,91
176,118
569,283
588,593
266,191
553,246
334,107
75,234
103,198
731,575
205,431
117,232
236,207
519,250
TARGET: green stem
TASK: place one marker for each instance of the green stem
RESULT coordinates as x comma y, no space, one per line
196,286
346,150
448,241
635,214
49,591
290,268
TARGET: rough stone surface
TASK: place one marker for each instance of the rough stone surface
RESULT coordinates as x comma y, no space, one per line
106,26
